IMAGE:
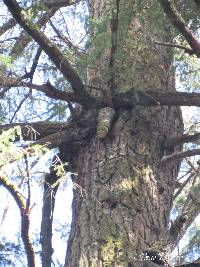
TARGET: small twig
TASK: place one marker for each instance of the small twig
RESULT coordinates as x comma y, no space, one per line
20,105
189,196
4,90
183,185
8,39
64,38
30,74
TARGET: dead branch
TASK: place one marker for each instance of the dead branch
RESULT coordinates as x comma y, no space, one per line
35,130
52,134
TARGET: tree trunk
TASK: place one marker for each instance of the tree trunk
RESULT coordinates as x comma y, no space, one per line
123,207
49,195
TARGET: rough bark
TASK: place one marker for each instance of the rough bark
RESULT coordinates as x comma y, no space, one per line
122,212
128,196
49,195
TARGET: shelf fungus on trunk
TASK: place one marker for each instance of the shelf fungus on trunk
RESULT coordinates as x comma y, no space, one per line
105,119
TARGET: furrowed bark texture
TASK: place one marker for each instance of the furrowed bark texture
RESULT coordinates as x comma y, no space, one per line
49,195
122,209
125,207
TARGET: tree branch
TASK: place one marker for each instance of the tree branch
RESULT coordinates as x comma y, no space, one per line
49,90
54,134
182,47
20,105
60,3
24,39
179,140
180,155
49,47
189,264
25,220
123,100
35,130
180,226
182,223
7,26
31,73
190,211
64,38
180,25
177,193
154,98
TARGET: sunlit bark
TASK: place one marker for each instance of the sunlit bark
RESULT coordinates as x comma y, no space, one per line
122,210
